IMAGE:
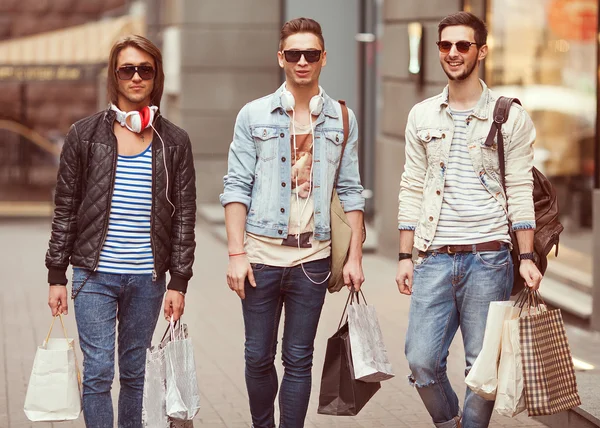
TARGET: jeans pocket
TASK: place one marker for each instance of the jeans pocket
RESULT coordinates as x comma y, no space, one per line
423,260
494,259
257,267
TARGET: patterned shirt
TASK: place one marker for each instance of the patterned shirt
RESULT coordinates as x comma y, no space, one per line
127,248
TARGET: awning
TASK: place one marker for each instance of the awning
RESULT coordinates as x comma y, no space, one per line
83,44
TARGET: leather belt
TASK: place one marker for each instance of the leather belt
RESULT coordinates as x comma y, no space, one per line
484,246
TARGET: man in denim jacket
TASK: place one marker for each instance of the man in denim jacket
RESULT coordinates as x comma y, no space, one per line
454,211
281,169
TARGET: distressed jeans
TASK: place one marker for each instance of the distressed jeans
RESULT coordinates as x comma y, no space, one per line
452,292
134,301
280,288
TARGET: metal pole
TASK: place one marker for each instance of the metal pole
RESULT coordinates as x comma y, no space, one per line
595,318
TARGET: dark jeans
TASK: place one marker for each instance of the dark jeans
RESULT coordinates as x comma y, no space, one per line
135,301
278,288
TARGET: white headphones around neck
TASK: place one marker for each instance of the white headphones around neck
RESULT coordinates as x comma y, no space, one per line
136,121
315,105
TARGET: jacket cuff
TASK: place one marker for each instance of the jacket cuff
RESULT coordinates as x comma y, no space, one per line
407,226
523,225
230,197
57,276
178,283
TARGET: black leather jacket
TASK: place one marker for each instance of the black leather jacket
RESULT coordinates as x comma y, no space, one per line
83,198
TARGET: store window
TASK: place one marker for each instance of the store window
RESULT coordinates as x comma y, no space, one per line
544,53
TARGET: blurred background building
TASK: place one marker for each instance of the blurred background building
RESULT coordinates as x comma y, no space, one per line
382,59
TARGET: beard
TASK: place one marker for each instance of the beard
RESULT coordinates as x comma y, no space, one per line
462,76
136,98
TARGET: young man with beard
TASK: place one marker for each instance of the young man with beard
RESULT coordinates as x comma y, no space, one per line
282,163
125,215
455,212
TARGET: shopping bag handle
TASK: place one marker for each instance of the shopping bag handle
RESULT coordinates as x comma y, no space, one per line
52,326
350,300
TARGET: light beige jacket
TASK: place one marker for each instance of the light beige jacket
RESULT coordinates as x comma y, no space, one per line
429,132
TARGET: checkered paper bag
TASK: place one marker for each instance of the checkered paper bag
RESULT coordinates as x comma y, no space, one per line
548,372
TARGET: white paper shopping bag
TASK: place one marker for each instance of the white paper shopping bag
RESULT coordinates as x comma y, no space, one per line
483,376
54,390
369,355
510,400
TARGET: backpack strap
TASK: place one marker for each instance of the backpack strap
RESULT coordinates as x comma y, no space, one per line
501,111
346,123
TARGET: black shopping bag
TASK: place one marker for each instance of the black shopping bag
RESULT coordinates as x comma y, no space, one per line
341,394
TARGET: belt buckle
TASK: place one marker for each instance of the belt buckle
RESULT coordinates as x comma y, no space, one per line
450,252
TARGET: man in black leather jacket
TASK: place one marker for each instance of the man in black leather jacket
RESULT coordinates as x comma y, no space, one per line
125,215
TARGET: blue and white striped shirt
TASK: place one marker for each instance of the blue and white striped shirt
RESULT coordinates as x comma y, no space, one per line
127,248
470,214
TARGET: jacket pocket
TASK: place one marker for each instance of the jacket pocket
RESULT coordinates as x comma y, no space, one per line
334,139
432,141
266,141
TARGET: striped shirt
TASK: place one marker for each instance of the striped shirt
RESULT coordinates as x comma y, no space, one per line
469,214
127,248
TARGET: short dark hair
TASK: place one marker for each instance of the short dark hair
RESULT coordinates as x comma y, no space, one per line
301,25
142,44
468,20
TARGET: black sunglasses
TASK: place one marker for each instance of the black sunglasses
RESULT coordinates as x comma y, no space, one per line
309,56
463,46
146,72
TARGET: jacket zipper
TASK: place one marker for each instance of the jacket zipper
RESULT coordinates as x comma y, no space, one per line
154,274
110,195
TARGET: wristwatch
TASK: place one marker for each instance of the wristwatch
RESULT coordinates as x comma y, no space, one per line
527,256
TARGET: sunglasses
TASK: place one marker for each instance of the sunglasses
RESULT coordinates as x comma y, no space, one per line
146,72
309,56
463,46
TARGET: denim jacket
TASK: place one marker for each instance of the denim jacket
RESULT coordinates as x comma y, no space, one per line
429,132
259,166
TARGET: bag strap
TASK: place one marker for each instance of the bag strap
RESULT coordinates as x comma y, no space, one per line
346,123
501,111
52,325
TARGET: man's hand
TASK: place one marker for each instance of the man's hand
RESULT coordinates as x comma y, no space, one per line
530,273
57,300
404,276
353,274
239,268
174,305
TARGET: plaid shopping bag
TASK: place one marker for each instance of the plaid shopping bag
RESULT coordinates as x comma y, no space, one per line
549,375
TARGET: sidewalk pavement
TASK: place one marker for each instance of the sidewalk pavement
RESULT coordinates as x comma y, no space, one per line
213,315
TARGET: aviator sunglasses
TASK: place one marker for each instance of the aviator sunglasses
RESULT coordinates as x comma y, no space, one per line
463,46
146,72
310,56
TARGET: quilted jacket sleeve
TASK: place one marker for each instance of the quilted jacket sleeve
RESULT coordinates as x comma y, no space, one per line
66,200
183,240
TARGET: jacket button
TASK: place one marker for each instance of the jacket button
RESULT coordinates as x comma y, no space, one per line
281,112
430,218
443,135
280,232
283,159
282,135
283,184
442,164
282,210
437,192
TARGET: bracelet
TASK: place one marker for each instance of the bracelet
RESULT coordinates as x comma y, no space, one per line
404,256
181,292
237,254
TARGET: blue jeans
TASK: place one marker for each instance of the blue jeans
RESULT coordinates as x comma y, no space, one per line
278,288
135,301
451,292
